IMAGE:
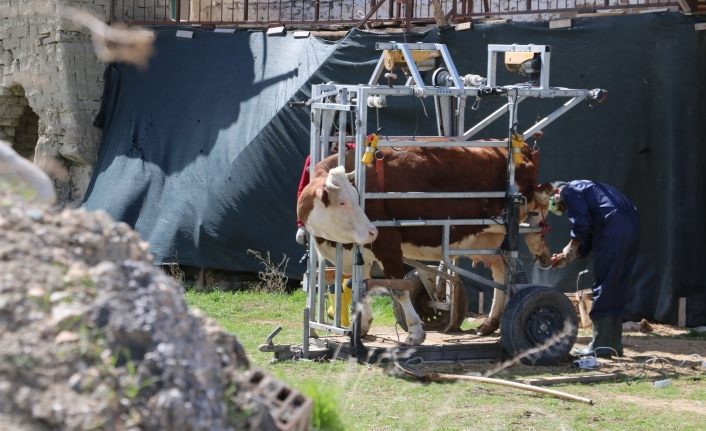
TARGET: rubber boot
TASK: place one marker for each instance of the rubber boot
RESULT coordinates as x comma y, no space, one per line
617,334
603,328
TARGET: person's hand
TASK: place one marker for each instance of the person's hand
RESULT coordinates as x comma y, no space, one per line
558,260
301,236
571,251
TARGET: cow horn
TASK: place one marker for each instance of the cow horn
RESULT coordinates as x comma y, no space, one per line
330,185
351,175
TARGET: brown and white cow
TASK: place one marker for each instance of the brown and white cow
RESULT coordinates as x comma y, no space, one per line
330,210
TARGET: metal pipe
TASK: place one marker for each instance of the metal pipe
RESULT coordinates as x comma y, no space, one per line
460,271
553,116
435,195
489,120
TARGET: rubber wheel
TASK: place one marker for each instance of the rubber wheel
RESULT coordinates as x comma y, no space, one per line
533,316
432,320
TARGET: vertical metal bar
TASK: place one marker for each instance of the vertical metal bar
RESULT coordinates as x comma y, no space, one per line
437,109
461,123
342,118
492,67
544,74
337,285
511,102
360,135
305,343
246,7
321,291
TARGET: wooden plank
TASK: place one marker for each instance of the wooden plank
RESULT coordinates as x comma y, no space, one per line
574,378
463,26
275,31
560,23
681,316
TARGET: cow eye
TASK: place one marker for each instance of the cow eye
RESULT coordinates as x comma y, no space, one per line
342,203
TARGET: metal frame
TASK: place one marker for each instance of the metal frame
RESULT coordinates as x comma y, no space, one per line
334,99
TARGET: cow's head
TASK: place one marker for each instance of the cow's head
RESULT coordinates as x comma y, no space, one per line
335,214
537,208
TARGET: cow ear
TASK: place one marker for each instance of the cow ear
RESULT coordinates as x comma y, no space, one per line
322,194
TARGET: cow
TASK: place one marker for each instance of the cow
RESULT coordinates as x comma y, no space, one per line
329,208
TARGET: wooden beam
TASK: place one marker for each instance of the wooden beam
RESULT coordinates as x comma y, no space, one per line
681,316
575,378
370,13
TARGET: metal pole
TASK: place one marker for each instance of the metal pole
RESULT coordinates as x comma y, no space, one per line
360,136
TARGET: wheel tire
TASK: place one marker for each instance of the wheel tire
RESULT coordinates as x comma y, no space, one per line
432,320
533,316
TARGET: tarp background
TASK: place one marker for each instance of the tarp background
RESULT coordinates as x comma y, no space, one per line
202,154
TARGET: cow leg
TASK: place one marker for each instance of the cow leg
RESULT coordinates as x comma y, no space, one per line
388,250
366,315
492,322
416,333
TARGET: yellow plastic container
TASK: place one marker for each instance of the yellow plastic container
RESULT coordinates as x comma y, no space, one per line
346,298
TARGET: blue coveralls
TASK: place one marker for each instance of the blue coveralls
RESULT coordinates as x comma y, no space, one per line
604,220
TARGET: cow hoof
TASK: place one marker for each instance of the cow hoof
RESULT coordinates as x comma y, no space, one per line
488,327
416,338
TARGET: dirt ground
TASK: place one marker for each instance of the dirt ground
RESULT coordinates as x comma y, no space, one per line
663,352
652,351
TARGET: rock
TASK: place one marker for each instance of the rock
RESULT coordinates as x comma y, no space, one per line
96,337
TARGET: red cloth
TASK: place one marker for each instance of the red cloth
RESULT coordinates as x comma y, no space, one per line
303,181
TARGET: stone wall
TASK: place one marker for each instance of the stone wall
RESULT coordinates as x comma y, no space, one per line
50,90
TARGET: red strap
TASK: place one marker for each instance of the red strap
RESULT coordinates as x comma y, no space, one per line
546,228
380,174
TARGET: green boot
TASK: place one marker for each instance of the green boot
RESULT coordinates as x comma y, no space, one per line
603,328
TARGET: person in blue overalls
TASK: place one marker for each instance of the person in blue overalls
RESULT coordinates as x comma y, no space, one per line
604,221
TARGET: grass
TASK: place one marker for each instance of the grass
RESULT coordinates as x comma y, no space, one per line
361,397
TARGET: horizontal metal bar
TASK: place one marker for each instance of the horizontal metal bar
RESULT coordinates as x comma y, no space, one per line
329,328
514,48
444,144
446,222
470,251
546,92
497,223
438,305
412,46
435,195
525,230
332,106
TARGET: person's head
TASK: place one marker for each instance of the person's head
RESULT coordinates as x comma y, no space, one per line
556,206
